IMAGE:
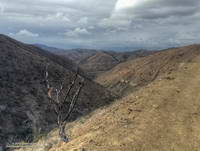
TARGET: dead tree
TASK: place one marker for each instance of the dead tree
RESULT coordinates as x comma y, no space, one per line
63,106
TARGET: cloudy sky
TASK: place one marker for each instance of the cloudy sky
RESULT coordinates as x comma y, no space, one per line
102,24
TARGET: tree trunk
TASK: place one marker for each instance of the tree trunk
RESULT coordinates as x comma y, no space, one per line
62,134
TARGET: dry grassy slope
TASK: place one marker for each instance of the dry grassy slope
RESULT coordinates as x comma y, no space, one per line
164,115
130,75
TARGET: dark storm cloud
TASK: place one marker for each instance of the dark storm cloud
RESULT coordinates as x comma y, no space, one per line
99,24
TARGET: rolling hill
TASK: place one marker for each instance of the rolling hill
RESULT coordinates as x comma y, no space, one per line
24,108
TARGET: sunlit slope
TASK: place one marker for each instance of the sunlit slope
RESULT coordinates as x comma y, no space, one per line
132,74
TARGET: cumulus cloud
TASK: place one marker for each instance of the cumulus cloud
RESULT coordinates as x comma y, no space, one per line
77,32
59,16
24,33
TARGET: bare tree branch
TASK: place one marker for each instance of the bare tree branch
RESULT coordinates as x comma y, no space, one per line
59,104
73,101
70,87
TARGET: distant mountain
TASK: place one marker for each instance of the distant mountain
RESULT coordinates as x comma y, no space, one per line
24,107
51,49
94,62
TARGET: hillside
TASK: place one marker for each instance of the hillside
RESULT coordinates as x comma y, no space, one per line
164,115
24,107
132,74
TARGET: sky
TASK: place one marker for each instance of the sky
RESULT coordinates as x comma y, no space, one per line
102,24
